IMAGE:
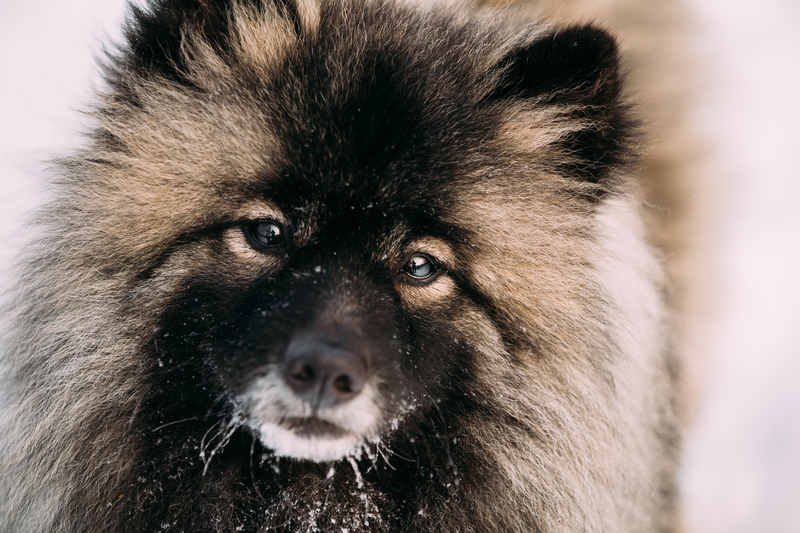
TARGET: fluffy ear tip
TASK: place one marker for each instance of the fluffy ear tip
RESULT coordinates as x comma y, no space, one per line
594,41
589,34
577,63
588,44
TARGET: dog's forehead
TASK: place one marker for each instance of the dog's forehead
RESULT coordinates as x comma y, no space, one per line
368,206
369,156
359,115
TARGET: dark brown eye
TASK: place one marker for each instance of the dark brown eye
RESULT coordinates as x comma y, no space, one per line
264,234
420,267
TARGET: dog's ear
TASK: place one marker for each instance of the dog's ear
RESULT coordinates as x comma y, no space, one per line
578,64
154,33
577,69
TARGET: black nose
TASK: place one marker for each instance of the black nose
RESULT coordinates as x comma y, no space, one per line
323,371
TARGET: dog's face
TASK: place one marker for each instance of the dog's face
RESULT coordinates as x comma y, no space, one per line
337,320
339,294
346,233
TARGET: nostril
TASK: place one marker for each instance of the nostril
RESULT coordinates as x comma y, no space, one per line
323,372
302,371
343,385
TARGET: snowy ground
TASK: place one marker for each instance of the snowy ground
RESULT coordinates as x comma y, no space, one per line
742,463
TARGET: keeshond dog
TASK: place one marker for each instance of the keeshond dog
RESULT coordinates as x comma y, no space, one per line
344,265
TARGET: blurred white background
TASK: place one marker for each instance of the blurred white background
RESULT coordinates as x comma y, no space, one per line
742,462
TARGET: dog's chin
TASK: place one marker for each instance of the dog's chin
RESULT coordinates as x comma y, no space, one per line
313,440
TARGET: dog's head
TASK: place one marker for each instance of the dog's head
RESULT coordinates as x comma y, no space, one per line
337,221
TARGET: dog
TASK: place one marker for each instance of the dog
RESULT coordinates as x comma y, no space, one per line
345,265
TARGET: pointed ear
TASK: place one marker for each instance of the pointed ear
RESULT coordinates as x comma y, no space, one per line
578,64
154,32
575,69
158,33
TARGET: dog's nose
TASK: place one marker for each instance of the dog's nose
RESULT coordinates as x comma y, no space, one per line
323,371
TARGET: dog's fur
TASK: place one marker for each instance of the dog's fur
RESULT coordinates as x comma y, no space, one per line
526,385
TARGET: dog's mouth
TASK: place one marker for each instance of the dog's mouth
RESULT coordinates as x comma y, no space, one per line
313,439
311,428
290,427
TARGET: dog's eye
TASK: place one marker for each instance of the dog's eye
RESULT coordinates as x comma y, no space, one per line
420,267
264,234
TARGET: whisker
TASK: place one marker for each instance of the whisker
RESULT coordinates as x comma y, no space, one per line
173,423
252,474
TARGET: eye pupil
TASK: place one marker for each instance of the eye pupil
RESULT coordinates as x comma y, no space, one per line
265,234
419,267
